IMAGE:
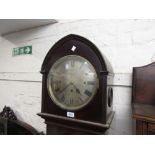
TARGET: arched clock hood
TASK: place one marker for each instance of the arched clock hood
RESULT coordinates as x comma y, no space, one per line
106,65
93,87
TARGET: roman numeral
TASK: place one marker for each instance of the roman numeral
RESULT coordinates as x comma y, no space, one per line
88,93
91,82
81,65
63,98
72,63
57,89
71,101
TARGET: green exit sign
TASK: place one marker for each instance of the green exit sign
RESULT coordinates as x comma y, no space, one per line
22,50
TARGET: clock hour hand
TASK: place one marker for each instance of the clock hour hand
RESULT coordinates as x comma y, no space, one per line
65,88
77,90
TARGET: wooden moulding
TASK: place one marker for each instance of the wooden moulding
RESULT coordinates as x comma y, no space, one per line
15,127
144,112
96,116
143,99
81,125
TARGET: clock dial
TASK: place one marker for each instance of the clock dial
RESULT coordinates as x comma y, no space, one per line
72,82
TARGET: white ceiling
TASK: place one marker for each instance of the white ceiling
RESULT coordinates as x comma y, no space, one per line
13,25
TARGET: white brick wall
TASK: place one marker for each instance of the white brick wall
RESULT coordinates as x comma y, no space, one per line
126,43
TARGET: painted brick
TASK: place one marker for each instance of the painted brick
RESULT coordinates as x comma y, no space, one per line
126,43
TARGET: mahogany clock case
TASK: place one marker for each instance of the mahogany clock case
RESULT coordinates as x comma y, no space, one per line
99,110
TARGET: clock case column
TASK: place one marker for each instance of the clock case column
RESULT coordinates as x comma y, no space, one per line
95,117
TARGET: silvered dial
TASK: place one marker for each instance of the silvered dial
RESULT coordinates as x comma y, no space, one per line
72,82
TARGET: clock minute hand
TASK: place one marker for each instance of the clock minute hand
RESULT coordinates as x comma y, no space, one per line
77,90
65,88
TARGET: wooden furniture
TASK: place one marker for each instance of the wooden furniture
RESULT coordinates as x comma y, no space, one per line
96,116
143,99
16,127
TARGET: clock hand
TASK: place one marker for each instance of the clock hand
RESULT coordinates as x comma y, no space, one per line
81,100
77,90
64,88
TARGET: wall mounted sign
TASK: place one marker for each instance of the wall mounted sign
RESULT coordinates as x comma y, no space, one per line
22,50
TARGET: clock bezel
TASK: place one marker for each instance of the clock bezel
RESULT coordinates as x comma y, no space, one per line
56,101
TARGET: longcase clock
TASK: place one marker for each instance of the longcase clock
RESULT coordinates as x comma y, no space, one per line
77,94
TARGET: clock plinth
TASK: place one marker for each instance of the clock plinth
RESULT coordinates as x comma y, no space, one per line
77,95
62,125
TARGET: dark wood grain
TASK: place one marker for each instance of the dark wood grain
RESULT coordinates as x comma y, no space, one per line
143,98
97,111
16,127
141,127
144,84
144,111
